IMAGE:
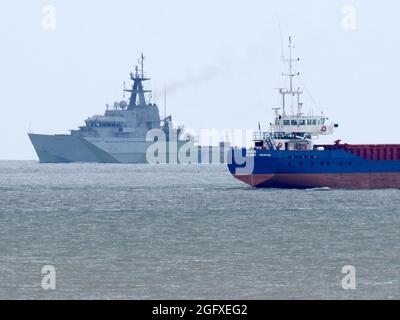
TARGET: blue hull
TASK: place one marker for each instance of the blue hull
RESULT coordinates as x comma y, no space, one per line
309,169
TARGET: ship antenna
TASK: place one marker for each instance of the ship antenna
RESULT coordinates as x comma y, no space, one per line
165,103
281,38
291,91
290,63
142,64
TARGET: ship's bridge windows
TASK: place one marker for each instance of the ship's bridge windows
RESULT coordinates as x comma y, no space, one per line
103,124
293,122
302,122
108,124
286,122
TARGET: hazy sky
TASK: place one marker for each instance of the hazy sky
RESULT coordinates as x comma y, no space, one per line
220,59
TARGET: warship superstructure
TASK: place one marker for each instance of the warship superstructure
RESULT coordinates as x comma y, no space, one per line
119,136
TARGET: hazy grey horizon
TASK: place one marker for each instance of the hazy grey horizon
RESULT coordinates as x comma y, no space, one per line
219,59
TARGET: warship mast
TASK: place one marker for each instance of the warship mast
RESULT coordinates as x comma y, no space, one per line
137,92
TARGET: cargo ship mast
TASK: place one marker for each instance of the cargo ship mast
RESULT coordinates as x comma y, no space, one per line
294,130
291,91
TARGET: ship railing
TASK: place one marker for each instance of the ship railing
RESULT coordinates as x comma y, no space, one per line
251,151
258,136
268,137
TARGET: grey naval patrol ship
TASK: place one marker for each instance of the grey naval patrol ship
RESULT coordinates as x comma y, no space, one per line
119,136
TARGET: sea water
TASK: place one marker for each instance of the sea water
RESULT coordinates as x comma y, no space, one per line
115,231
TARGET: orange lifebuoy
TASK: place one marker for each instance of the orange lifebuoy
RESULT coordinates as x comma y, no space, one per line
323,129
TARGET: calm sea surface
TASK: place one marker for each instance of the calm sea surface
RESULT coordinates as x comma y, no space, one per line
183,232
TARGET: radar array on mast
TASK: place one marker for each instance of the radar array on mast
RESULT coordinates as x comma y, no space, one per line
137,92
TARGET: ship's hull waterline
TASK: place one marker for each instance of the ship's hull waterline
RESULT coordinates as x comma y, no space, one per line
373,180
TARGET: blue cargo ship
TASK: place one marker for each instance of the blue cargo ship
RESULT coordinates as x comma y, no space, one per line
286,156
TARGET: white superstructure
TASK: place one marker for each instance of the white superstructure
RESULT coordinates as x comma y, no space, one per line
294,130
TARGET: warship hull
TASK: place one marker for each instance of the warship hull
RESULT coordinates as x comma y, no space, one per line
70,148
